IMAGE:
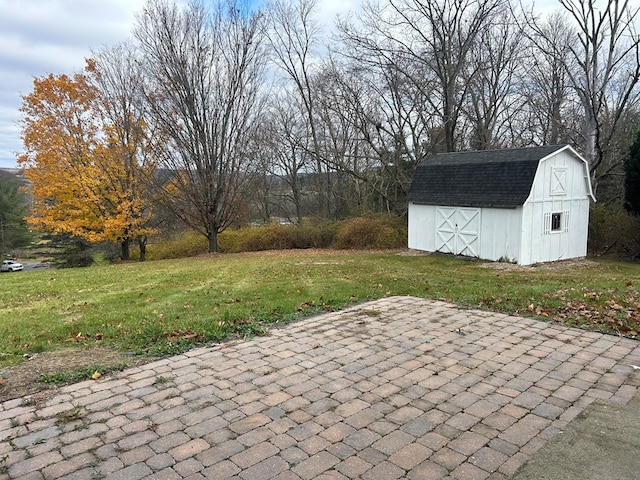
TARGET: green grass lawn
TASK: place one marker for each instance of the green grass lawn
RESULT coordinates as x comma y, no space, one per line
165,306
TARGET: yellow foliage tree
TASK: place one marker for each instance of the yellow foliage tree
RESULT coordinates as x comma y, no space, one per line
86,178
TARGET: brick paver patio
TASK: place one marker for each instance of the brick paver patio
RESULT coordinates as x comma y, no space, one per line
396,388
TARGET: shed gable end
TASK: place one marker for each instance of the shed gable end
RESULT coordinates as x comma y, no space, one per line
563,175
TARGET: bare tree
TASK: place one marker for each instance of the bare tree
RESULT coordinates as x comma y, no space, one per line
294,35
341,146
372,131
441,35
495,61
546,86
389,96
604,69
288,142
204,70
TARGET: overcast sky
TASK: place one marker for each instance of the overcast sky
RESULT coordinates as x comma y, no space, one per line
38,37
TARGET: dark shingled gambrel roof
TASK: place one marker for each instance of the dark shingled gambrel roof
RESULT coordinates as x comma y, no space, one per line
486,178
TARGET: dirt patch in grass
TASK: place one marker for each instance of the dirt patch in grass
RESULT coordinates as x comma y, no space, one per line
25,378
285,253
538,267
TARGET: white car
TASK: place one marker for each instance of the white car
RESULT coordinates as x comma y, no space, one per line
11,266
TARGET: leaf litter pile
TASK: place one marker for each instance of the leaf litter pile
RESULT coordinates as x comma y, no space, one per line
611,310
608,311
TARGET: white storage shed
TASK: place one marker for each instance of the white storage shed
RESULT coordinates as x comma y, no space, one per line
522,205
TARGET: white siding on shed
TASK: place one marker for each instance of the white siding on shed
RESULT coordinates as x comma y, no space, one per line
576,184
501,234
422,221
497,231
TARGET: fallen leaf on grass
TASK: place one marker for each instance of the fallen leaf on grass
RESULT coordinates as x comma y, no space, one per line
620,313
80,337
305,305
613,305
76,337
176,335
538,310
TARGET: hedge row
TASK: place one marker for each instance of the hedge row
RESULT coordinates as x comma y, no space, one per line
355,233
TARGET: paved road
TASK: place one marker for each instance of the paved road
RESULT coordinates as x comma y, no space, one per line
32,265
396,388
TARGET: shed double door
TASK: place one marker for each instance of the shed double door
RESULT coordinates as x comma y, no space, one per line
458,230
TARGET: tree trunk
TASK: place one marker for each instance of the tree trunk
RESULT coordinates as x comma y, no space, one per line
213,242
449,131
591,135
142,244
297,201
124,249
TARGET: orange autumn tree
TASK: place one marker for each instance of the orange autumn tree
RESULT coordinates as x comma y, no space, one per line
86,181
116,73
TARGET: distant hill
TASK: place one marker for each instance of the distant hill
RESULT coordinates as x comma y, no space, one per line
15,174
11,172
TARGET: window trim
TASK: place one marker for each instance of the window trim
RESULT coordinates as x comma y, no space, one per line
556,222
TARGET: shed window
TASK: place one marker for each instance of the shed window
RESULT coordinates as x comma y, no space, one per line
556,222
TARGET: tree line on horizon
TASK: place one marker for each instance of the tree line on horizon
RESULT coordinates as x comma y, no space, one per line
213,115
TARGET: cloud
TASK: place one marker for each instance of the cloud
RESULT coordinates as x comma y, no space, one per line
39,37
329,9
